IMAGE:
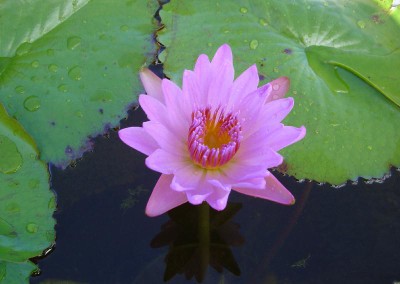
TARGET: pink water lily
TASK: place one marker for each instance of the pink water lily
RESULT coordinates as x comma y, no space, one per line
214,135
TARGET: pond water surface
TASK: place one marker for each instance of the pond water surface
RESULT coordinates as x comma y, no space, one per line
345,235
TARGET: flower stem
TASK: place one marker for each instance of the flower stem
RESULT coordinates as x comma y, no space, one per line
204,236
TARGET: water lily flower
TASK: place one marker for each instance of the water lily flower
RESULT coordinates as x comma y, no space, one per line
213,135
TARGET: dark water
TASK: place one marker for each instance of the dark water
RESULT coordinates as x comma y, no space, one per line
346,235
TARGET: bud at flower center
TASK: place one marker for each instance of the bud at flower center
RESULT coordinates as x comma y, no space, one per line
214,137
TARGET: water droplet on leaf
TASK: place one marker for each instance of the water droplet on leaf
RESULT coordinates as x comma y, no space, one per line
35,64
254,44
23,48
125,60
263,22
276,87
11,159
243,10
361,24
75,73
32,103
63,88
20,89
32,228
73,42
35,79
103,96
124,28
53,68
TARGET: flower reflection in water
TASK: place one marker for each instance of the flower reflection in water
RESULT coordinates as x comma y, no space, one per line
199,236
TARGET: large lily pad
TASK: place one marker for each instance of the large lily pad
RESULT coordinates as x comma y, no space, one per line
27,204
69,68
341,57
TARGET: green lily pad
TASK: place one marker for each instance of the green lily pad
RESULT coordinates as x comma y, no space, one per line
69,69
27,204
15,273
341,57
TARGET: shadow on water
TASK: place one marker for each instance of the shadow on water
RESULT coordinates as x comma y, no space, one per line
346,235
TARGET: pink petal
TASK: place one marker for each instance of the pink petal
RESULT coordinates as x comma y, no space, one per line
164,162
280,87
267,118
163,198
251,108
201,187
239,171
152,84
137,138
193,90
275,111
166,139
273,191
172,93
196,199
202,66
188,178
224,53
264,92
154,109
285,136
245,84
222,75
202,71
255,150
174,113
221,84
219,196
179,111
255,183
199,195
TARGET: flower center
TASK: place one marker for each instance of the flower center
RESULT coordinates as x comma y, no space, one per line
214,137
